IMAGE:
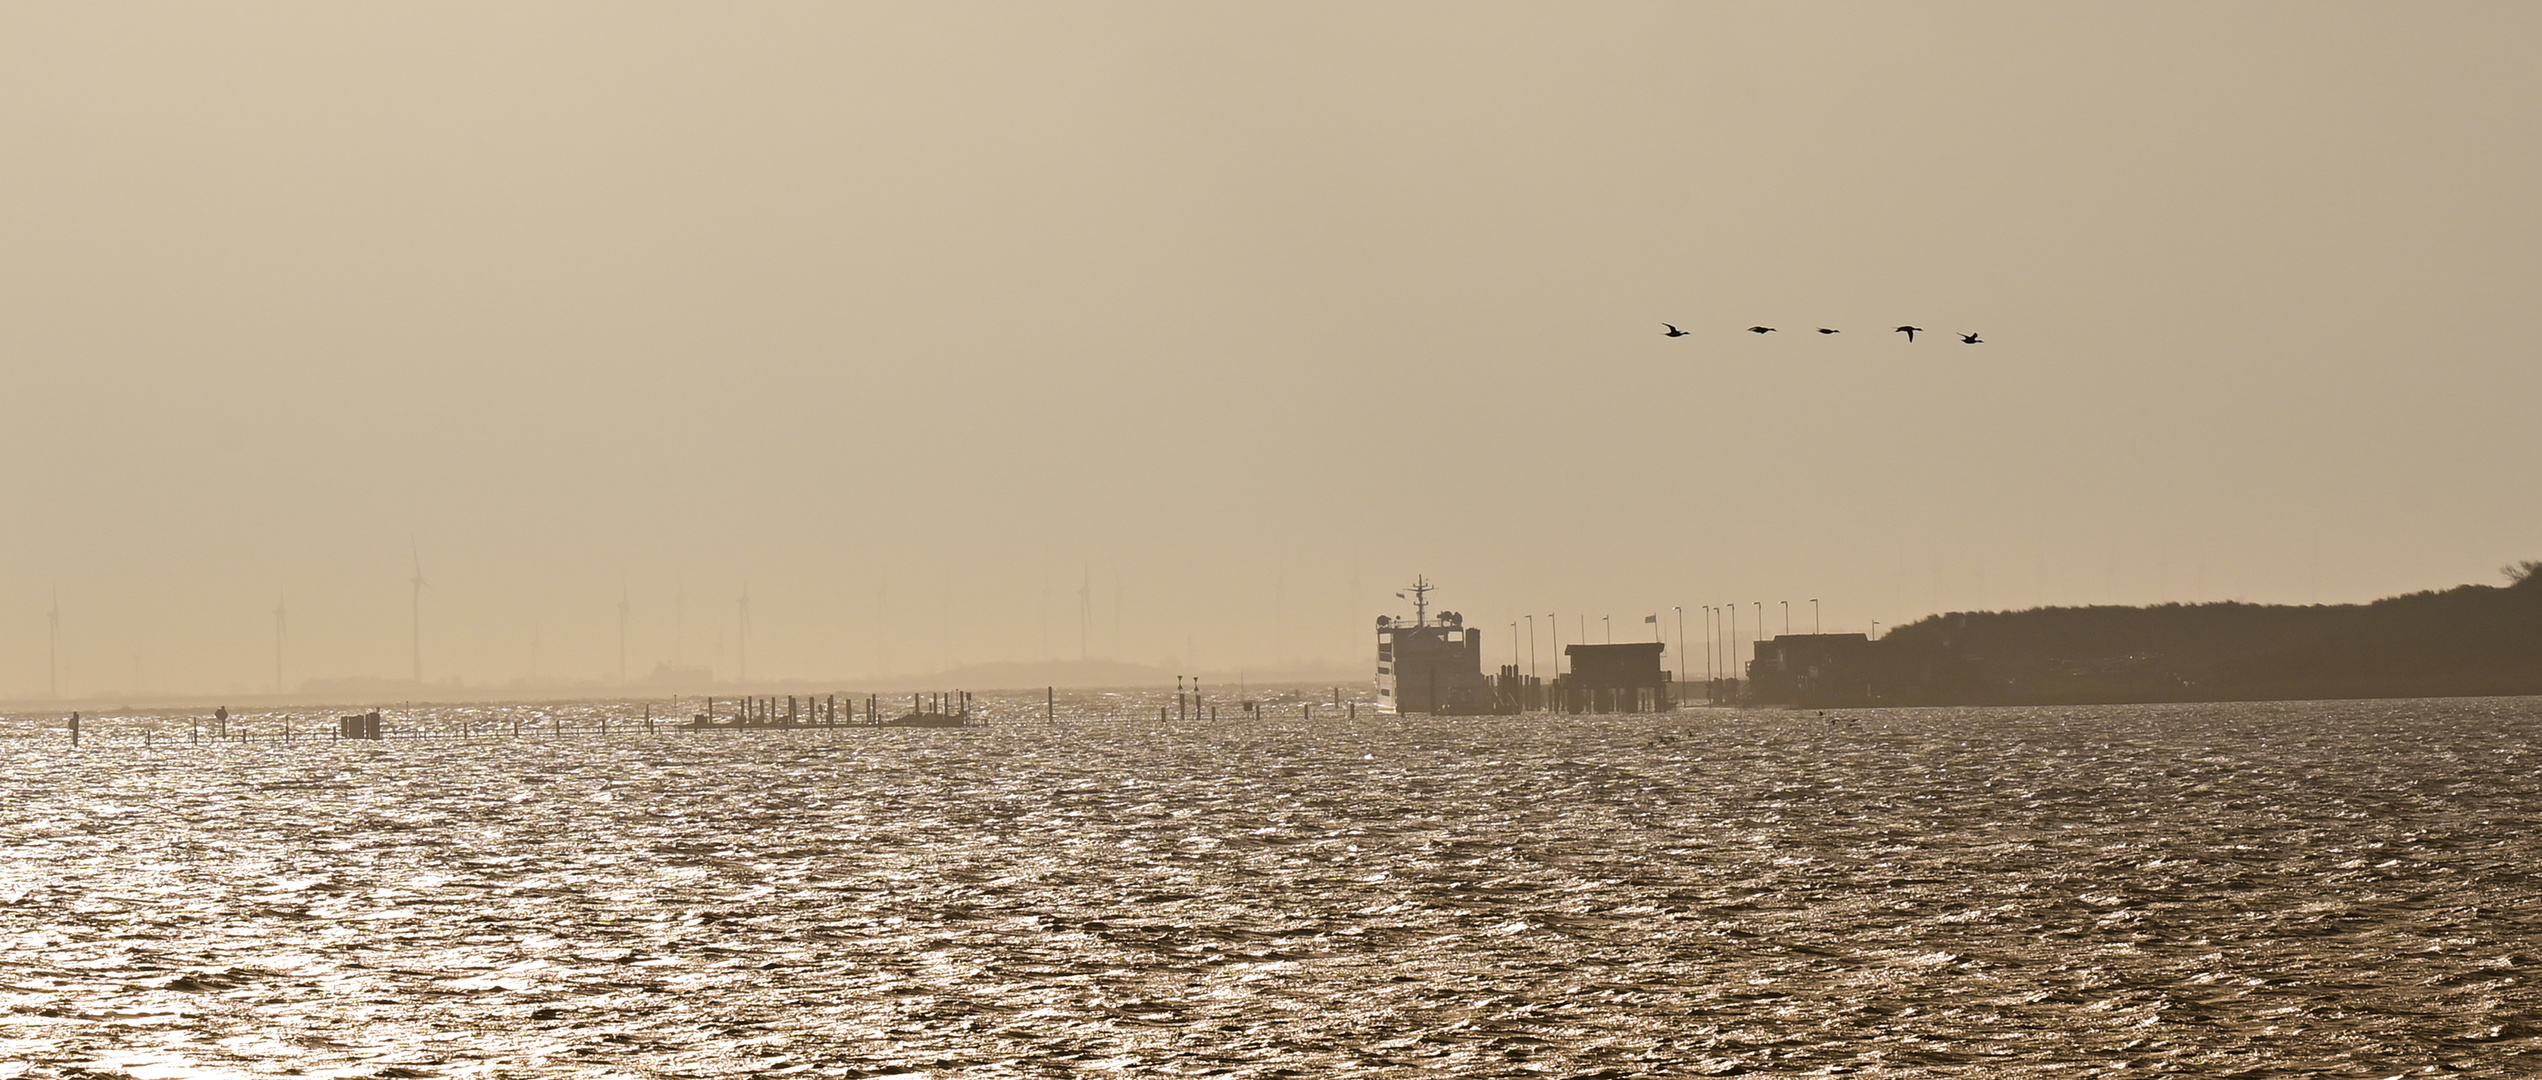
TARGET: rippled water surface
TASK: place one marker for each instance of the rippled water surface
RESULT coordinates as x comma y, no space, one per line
2309,889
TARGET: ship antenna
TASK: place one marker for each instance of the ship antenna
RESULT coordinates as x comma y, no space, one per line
1421,600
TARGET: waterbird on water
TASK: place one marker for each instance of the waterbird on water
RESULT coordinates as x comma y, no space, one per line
1909,331
1970,339
1760,329
1673,331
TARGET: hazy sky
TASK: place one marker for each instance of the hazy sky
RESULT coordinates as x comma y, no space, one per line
911,318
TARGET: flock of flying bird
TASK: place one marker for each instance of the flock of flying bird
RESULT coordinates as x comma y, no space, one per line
1909,331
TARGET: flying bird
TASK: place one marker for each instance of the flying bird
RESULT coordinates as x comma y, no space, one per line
1970,339
1825,330
1760,329
1673,331
1910,331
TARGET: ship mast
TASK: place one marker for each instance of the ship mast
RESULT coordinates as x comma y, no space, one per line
1420,597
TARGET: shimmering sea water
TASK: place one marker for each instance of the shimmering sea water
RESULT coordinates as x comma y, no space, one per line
2274,890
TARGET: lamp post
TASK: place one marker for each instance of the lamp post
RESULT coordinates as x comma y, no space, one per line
1813,616
1531,645
1729,616
1609,622
1875,629
1787,617
1707,652
1682,658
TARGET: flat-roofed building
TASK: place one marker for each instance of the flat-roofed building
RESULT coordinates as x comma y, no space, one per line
1630,678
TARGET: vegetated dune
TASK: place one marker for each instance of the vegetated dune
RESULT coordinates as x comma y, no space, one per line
2469,640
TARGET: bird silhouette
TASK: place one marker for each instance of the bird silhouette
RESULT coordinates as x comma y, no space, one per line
1825,330
1970,339
1673,331
1760,329
1910,331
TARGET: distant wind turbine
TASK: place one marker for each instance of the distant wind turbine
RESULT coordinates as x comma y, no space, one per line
278,614
418,608
625,613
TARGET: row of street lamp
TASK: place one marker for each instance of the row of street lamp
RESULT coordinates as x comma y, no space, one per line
1721,626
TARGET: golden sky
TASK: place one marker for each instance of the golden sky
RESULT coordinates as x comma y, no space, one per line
914,319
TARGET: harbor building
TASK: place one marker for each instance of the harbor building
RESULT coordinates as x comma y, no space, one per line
1626,678
1817,669
1832,671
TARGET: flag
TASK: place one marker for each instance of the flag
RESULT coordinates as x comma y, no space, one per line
1652,619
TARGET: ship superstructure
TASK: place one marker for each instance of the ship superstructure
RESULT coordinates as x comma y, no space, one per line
1426,666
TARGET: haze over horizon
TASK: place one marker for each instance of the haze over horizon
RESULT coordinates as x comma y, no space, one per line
912,321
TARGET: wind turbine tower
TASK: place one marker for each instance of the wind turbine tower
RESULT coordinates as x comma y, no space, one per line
743,675
418,609
625,612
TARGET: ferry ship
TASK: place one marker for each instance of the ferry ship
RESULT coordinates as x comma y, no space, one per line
1432,667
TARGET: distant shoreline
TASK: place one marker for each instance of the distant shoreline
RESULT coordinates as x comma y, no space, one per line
2468,641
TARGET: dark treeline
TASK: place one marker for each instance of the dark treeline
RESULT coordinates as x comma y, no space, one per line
2471,640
